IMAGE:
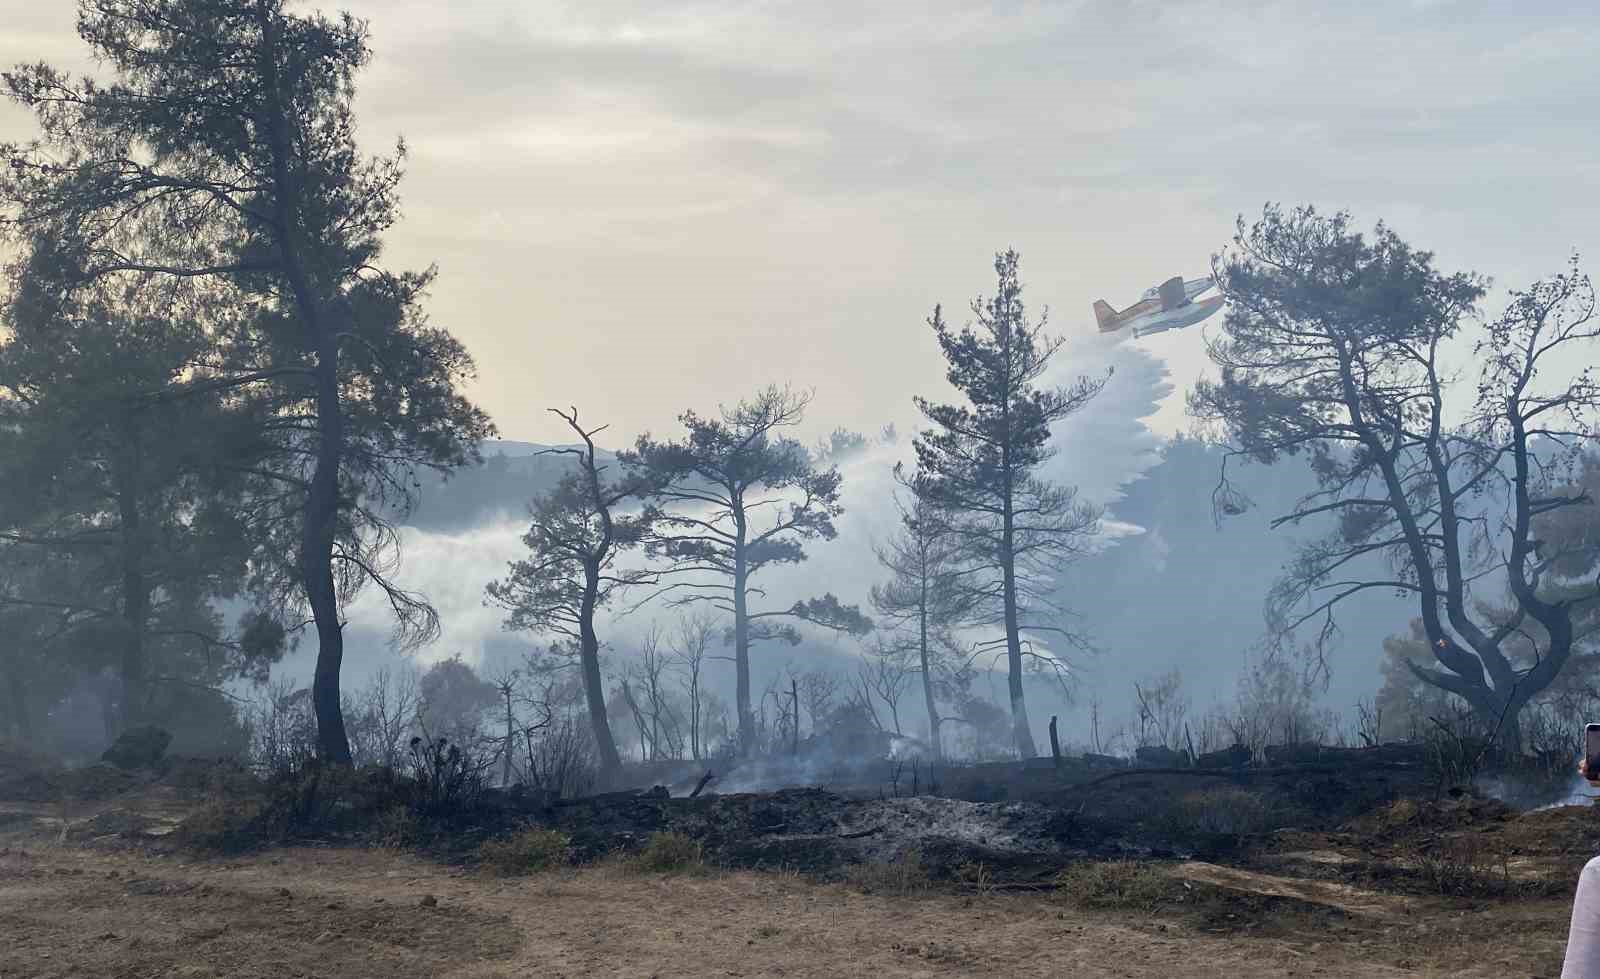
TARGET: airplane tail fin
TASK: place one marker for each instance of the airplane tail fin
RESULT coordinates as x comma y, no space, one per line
1106,316
1172,293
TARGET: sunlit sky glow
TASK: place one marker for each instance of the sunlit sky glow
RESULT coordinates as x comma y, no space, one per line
645,207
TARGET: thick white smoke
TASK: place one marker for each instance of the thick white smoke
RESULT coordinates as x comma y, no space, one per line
1100,449
451,570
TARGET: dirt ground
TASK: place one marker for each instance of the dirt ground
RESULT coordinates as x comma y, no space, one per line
94,882
70,911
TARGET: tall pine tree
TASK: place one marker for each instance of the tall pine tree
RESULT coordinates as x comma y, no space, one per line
730,499
98,471
224,152
979,461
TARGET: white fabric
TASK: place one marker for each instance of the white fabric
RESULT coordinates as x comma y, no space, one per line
1583,937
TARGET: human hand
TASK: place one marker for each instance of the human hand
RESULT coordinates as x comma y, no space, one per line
1583,769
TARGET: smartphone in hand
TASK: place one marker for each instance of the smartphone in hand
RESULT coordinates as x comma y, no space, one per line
1591,751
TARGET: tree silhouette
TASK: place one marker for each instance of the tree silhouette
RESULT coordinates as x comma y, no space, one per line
732,498
224,154
574,541
1331,348
978,464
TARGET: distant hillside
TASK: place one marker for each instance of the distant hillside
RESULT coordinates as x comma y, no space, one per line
511,474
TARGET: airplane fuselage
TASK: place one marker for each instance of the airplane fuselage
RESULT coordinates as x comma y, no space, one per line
1176,319
1169,306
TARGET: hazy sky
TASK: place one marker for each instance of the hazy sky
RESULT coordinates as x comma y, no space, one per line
644,207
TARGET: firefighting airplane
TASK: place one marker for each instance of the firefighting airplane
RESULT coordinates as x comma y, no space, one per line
1169,306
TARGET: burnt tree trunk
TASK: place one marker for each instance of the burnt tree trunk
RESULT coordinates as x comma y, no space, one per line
135,584
1021,730
594,691
511,733
316,560
934,736
741,655
321,512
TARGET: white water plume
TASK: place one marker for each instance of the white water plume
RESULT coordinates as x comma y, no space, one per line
1100,449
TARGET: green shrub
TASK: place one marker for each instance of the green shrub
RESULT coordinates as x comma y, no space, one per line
1119,884
525,852
668,853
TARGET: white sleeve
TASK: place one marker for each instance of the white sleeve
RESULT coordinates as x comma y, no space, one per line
1583,937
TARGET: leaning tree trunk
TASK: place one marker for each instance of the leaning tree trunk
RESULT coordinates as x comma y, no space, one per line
594,690
321,513
316,563
1502,720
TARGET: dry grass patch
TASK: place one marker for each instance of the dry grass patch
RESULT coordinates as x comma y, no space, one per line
397,828
223,825
974,875
904,876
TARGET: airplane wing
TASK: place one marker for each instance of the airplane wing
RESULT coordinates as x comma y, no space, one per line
1173,294
1191,288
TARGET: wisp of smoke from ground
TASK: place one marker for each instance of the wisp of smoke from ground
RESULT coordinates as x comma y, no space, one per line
1533,793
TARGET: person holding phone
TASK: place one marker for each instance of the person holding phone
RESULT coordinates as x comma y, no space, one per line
1583,935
